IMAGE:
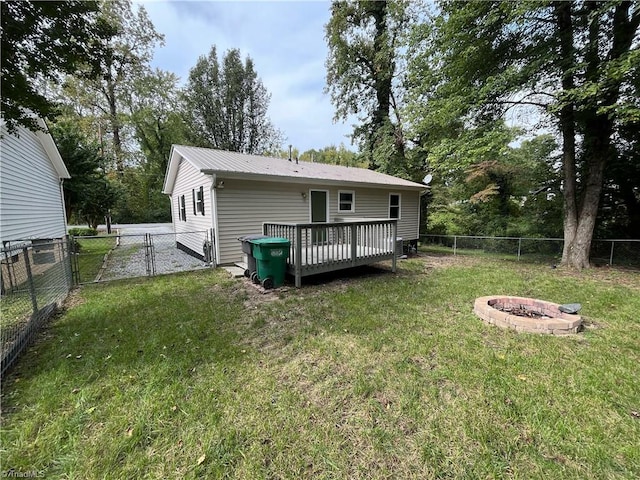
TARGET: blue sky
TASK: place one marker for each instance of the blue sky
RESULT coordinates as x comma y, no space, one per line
286,41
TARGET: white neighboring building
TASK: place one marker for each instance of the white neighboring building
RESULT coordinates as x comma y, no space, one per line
31,195
234,193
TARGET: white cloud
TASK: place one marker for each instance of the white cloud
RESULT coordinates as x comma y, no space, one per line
284,39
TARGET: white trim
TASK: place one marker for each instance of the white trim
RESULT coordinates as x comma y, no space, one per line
419,212
51,149
399,217
214,216
353,201
328,203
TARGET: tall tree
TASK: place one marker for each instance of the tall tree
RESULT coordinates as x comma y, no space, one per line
364,75
125,57
154,112
573,61
226,105
88,194
41,41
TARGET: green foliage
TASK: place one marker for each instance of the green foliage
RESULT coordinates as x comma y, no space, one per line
226,105
40,41
484,186
88,193
83,232
364,66
140,198
335,156
317,383
124,59
568,62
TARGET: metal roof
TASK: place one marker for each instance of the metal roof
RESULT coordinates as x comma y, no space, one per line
233,164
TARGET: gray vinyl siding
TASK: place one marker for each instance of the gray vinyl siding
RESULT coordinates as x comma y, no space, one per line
374,203
244,205
31,201
188,179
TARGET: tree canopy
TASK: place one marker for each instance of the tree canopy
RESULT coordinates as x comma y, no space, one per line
577,63
364,75
226,105
41,41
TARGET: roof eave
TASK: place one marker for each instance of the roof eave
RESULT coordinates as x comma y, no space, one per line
305,180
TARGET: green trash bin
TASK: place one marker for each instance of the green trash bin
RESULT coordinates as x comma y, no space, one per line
271,255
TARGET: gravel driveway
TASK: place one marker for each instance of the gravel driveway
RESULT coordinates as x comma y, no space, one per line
129,259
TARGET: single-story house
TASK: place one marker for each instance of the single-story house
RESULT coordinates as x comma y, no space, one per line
233,194
31,195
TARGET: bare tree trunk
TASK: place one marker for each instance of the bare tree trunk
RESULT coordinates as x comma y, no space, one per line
567,129
115,126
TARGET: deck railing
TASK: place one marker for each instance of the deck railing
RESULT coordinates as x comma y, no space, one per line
324,247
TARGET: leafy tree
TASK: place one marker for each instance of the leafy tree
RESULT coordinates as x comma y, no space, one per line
226,105
40,41
153,104
487,186
88,193
125,58
576,62
364,75
334,155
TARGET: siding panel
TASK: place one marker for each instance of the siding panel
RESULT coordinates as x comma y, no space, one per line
187,179
244,205
31,202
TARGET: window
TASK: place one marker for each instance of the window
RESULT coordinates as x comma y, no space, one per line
193,198
346,201
394,205
200,199
183,209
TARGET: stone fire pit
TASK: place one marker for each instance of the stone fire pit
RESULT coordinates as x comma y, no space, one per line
526,315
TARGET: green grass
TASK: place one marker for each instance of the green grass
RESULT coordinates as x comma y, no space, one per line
379,376
91,256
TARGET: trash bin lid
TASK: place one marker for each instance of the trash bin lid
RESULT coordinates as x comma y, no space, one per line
246,238
271,241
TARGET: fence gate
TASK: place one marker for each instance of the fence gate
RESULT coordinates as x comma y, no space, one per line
110,257
149,254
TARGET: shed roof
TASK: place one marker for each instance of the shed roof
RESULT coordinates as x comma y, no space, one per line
240,165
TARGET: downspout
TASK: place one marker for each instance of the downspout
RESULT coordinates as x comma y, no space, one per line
214,215
64,205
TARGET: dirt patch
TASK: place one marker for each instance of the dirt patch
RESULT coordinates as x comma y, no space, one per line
627,277
73,299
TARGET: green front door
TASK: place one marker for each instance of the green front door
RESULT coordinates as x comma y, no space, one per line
319,202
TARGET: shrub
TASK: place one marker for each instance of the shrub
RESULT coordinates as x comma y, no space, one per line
83,232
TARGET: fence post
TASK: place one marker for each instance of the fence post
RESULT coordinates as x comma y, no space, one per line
32,287
519,246
298,259
147,253
394,260
611,256
455,242
212,247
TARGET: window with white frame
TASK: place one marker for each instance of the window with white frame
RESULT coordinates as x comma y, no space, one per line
193,198
394,205
346,201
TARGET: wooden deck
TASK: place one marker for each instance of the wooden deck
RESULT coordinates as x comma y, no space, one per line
326,247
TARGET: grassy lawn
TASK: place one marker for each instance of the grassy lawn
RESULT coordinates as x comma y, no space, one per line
91,256
378,376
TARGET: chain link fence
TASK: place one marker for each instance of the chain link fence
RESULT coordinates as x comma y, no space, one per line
111,257
620,252
35,278
37,275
